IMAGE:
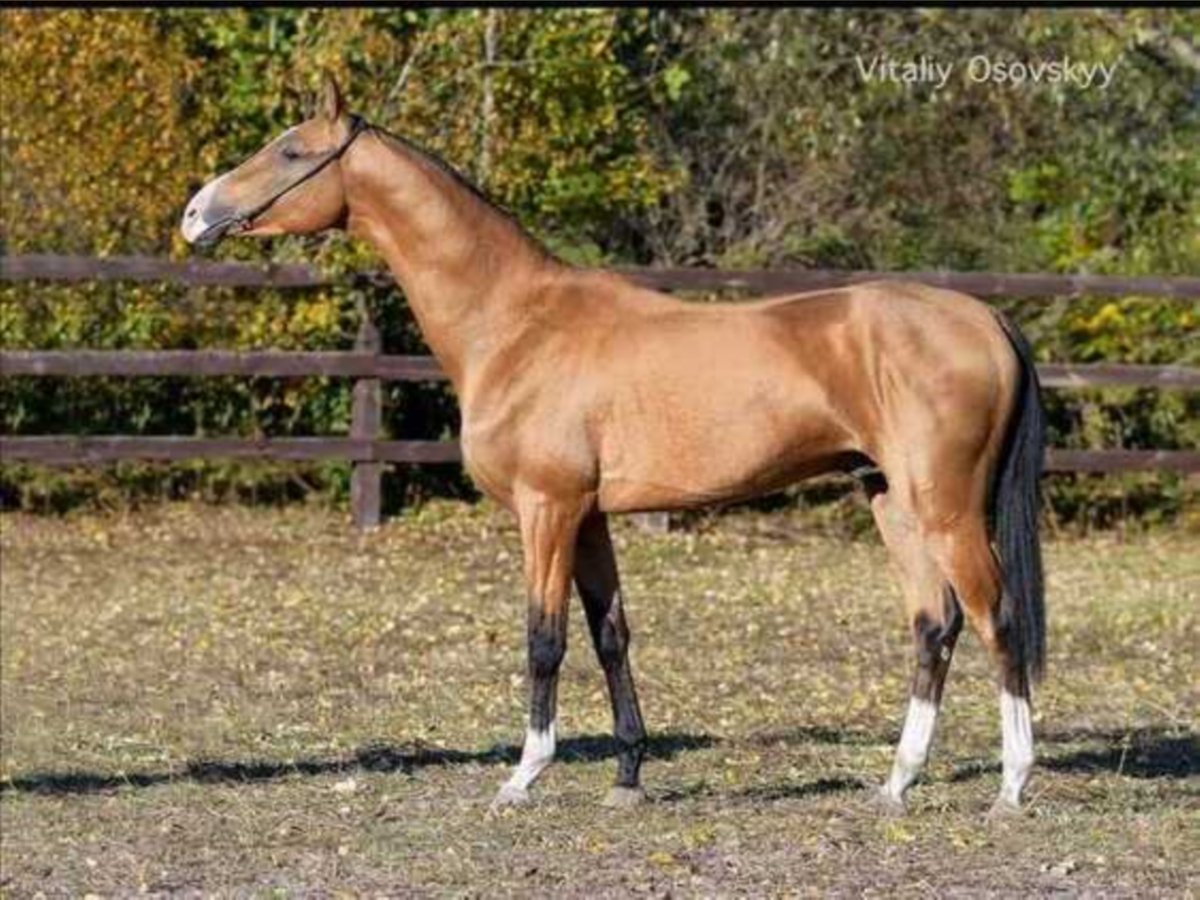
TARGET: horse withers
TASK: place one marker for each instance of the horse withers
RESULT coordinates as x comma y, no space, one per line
583,395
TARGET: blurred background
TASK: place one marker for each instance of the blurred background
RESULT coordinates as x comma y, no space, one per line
710,138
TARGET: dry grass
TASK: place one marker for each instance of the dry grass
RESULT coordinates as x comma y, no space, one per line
264,703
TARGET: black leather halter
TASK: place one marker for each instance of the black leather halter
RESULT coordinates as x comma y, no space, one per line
244,220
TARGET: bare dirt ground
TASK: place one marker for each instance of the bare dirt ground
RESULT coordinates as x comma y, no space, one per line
229,702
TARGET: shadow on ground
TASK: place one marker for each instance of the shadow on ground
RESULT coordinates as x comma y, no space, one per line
371,758
1139,753
762,792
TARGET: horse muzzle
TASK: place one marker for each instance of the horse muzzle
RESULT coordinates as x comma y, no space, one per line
211,234
206,219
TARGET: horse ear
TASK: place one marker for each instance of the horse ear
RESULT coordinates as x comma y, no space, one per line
332,105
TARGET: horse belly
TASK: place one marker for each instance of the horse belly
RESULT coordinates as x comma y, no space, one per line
714,445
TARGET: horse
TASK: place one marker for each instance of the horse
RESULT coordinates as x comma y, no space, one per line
584,395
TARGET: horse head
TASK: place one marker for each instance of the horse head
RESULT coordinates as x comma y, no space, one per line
292,185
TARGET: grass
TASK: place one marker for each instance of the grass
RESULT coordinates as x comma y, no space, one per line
242,702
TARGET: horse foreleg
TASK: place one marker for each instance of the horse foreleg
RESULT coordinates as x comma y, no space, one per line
600,590
548,531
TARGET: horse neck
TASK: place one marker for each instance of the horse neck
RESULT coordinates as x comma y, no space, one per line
466,269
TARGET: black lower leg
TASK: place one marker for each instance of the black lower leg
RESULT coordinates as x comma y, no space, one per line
1013,675
610,635
547,646
628,729
935,642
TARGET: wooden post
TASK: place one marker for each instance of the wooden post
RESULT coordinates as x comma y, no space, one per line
366,420
488,105
653,522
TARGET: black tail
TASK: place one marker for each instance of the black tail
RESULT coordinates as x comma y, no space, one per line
1014,512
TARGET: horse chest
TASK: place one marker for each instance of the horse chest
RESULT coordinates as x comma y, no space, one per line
542,446
487,460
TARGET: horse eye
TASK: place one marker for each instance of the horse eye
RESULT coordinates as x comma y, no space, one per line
291,153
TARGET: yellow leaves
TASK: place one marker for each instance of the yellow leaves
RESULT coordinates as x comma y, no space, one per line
87,102
319,315
664,860
138,116
1108,316
965,839
594,843
898,833
699,836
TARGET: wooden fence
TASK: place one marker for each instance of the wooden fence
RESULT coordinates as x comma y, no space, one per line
203,273
370,367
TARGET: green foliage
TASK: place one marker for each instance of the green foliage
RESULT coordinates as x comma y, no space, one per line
705,137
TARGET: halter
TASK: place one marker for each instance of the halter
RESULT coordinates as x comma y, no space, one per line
244,220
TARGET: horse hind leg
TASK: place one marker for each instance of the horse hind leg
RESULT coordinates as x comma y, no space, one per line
964,554
936,620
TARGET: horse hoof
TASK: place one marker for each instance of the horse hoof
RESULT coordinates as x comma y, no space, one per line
1004,809
622,797
887,804
509,796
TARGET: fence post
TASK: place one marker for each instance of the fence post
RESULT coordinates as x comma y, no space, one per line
366,420
653,522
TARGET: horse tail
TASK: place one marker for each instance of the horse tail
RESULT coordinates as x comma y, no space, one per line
1014,507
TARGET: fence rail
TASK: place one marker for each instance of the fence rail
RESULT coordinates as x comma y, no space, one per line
206,273
369,367
195,363
74,450
286,364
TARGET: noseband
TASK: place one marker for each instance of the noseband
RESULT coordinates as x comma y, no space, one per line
244,220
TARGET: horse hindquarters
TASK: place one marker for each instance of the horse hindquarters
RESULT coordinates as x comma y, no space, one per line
940,538
1008,607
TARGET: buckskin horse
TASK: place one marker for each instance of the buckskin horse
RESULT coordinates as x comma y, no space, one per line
583,394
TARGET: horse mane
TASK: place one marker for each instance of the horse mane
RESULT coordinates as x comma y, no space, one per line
462,181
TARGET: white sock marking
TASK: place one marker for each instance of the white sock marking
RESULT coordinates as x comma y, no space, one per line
1017,726
537,753
913,747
